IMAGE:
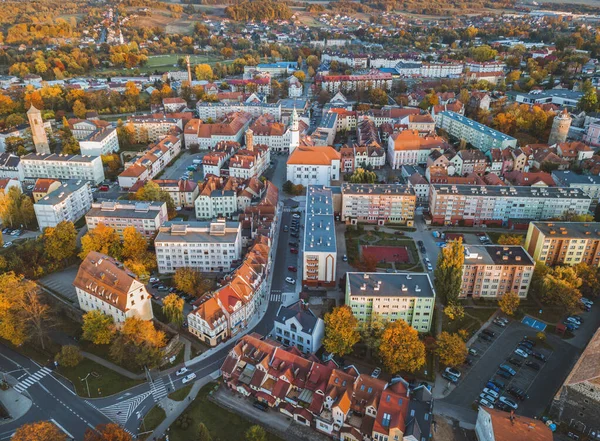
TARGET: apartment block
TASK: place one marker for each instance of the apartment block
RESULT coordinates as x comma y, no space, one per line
204,246
564,243
69,202
394,296
224,197
590,184
230,128
11,167
250,162
145,217
490,271
255,108
346,83
378,203
104,284
407,147
153,128
499,205
103,141
319,242
78,167
479,136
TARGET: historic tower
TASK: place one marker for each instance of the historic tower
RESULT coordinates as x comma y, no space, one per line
560,128
38,132
294,132
249,140
189,69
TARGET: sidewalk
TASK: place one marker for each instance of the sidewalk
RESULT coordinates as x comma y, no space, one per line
15,404
175,408
112,366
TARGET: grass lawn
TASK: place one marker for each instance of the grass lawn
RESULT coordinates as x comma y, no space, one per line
107,382
222,424
470,324
153,418
179,395
482,314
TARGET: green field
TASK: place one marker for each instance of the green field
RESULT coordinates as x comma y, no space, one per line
166,62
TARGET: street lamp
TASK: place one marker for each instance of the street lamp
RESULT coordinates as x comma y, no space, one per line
86,383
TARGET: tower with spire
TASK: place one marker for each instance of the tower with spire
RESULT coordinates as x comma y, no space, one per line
294,132
189,69
38,132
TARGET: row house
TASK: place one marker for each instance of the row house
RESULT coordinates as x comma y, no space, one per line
378,203
219,196
362,156
500,205
530,179
575,152
256,108
213,162
250,162
261,219
467,162
147,165
183,192
259,84
207,135
409,148
224,313
341,403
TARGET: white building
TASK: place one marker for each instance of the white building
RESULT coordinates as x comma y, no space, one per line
103,284
11,167
400,296
145,217
589,184
205,246
319,249
172,105
208,110
183,192
68,203
103,141
206,136
152,128
224,197
87,168
250,162
296,325
314,166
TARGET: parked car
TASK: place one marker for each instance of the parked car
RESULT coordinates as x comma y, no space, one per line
473,352
527,343
509,402
485,337
7,244
517,393
491,392
296,216
153,279
293,244
290,280
499,323
292,269
286,228
515,361
261,406
524,349
294,250
182,371
376,373
486,403
533,365
487,398
499,383
574,320
163,288
539,356
449,377
188,378
345,258
492,386
521,353
489,332
503,320
420,243
453,371
429,267
296,235
507,368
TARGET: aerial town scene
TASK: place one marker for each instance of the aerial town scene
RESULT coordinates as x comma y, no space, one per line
260,220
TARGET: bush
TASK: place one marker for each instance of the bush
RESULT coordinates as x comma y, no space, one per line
69,356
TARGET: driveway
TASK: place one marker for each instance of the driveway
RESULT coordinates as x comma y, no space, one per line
62,282
180,167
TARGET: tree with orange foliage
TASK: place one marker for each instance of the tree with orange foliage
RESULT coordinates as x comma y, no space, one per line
39,431
107,432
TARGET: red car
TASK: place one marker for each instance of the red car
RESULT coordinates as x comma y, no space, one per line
104,188
294,250
292,269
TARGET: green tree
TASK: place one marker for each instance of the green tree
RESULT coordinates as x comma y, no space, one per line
60,242
341,331
135,253
98,327
152,192
378,96
362,176
190,281
561,288
138,344
451,349
510,239
102,239
256,433
372,330
589,101
509,303
173,309
401,349
448,272
69,356
590,279
16,209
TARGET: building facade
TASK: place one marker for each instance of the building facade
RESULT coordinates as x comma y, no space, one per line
103,141
296,325
69,202
86,168
314,166
378,203
145,217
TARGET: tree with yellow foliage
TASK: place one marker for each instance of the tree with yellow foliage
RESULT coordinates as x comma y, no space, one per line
39,431
135,253
509,303
451,349
341,331
401,349
102,239
204,72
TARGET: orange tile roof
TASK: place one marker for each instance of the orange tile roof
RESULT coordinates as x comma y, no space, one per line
313,156
520,428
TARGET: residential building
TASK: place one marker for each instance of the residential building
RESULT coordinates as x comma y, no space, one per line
378,203
479,136
278,69
43,187
530,179
564,243
490,271
471,161
296,325
7,183
227,311
150,163
38,131
250,162
319,247
218,196
103,141
559,97
174,105
69,202
145,217
153,128
589,184
407,147
497,425
87,168
213,162
575,152
366,156
204,246
345,83
83,128
103,284
313,166
183,192
255,108
275,135
11,167
392,296
229,128
500,205
577,402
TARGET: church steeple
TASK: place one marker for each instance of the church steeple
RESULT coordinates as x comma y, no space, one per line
294,131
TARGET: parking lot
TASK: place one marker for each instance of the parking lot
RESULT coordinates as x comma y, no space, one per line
539,385
177,170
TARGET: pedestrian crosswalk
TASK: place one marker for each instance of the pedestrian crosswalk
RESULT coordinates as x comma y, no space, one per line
120,412
32,379
275,296
159,390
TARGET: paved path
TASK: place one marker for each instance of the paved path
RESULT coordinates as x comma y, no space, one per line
112,366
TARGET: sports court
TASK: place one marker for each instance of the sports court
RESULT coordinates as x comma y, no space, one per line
535,324
386,254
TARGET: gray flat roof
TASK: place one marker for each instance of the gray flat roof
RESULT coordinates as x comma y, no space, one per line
569,177
196,232
128,210
518,192
377,189
319,228
56,157
476,126
562,93
390,285
569,230
61,193
497,255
